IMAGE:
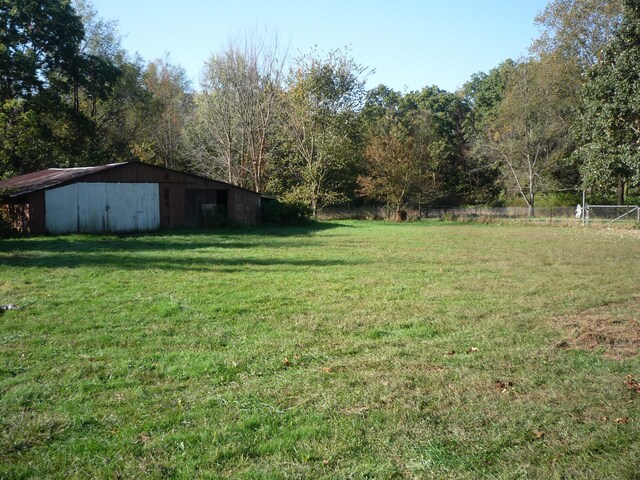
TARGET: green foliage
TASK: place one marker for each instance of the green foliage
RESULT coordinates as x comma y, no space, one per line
68,94
445,114
529,135
566,199
577,29
609,128
21,138
323,98
39,47
483,93
171,103
437,122
401,157
49,88
276,212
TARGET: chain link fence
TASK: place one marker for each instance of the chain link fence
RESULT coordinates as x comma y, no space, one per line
566,215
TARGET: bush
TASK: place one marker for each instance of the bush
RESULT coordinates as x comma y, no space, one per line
275,212
447,217
559,199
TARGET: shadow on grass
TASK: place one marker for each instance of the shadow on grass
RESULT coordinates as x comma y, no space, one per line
155,262
153,250
167,239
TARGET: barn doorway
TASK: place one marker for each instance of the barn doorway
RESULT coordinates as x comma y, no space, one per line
196,198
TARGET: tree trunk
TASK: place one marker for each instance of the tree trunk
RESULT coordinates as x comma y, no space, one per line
620,191
532,210
401,215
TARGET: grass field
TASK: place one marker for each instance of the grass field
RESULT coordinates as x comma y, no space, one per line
340,350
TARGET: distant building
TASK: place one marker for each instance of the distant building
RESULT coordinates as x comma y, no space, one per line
120,197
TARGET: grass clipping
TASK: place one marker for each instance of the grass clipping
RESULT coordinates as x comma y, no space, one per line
613,328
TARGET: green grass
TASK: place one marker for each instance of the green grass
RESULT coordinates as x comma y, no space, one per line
341,350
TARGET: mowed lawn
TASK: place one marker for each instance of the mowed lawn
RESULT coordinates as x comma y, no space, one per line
340,350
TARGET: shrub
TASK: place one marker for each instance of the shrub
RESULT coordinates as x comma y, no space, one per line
447,217
275,212
559,199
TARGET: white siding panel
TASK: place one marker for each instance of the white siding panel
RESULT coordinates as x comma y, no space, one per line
92,202
133,207
103,207
61,209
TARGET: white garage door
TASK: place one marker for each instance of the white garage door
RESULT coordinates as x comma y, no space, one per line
103,207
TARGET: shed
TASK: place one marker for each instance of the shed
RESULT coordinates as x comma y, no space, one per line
120,197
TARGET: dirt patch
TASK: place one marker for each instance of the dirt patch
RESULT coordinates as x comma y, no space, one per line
614,328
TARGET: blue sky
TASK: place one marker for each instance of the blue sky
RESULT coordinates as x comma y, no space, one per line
411,44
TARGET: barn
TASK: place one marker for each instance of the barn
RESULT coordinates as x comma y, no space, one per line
120,197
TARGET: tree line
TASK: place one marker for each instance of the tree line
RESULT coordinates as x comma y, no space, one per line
543,127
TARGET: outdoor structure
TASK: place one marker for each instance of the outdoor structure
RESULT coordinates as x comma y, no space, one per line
120,197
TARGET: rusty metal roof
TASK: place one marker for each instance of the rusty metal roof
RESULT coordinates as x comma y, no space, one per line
51,177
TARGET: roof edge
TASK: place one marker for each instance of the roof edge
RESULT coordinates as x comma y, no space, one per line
28,183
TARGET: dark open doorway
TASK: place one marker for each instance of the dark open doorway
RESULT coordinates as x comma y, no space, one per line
196,198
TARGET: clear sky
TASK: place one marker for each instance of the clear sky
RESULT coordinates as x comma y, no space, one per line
410,43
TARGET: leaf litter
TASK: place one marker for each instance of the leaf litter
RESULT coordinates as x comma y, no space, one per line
613,328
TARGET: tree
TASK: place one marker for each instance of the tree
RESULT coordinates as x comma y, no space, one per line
323,98
531,128
577,29
380,102
232,134
101,38
483,94
39,46
70,95
393,169
39,54
170,92
446,112
399,158
98,67
111,93
609,127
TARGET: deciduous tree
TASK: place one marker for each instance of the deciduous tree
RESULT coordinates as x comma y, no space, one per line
323,99
171,97
231,135
609,128
531,130
39,58
400,157
577,29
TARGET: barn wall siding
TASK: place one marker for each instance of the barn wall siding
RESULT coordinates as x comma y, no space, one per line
132,207
170,195
102,207
61,212
243,206
36,203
